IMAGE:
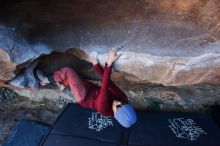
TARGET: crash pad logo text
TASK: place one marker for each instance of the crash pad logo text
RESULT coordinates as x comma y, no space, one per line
98,122
185,128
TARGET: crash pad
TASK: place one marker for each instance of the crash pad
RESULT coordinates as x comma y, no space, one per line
77,123
174,129
81,126
215,111
26,133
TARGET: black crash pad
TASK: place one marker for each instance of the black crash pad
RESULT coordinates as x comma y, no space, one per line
78,126
81,126
215,110
26,133
174,129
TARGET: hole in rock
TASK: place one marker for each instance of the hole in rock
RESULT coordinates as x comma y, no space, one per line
48,64
56,60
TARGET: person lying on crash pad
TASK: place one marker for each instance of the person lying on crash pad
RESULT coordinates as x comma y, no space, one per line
108,99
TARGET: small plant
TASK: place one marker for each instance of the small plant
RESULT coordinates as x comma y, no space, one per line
6,94
205,109
154,104
178,107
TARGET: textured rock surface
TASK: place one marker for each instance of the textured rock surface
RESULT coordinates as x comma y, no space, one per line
169,42
145,97
141,95
7,66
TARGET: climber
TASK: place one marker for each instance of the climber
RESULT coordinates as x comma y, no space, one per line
108,99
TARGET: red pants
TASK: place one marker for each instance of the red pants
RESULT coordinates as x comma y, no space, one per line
68,77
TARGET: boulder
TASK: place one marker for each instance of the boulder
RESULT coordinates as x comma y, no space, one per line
173,43
7,66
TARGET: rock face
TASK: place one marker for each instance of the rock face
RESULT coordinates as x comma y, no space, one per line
173,43
7,66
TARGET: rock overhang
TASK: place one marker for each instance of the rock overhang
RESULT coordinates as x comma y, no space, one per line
164,40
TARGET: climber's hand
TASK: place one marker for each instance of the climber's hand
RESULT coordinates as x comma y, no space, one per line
112,56
61,86
93,58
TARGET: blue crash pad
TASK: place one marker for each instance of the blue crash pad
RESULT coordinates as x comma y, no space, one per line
78,126
26,133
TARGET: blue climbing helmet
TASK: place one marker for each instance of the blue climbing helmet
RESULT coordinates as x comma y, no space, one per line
126,115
